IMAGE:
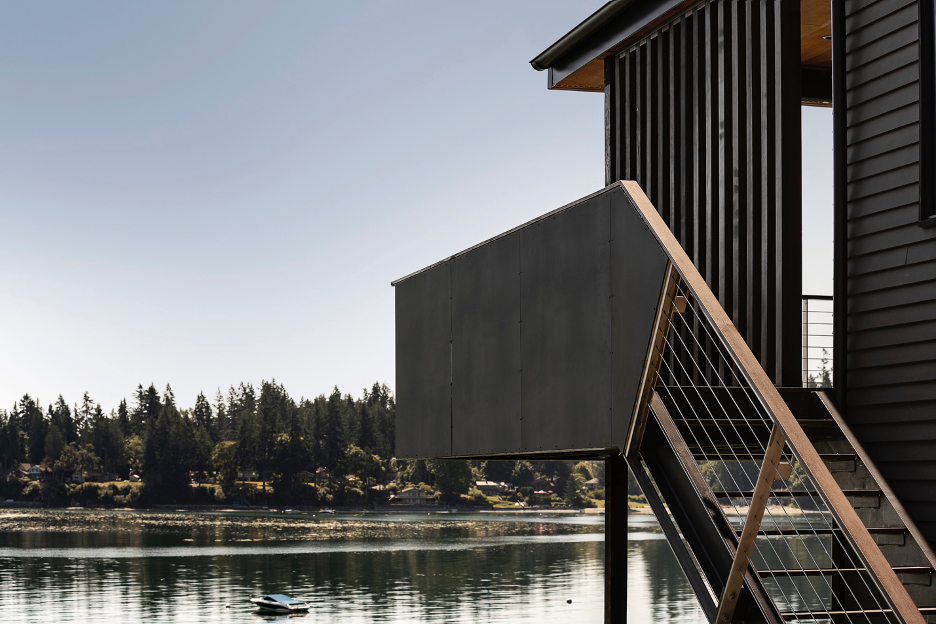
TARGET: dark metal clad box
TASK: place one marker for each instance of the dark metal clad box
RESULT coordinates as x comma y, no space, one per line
423,363
486,348
533,341
565,294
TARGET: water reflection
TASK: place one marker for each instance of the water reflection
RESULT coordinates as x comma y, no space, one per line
657,589
98,566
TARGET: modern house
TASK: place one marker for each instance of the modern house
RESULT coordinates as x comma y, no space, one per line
412,496
495,488
658,323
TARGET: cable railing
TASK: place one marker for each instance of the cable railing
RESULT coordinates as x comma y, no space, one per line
797,549
817,341
713,442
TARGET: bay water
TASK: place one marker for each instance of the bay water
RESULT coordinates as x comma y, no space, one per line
70,566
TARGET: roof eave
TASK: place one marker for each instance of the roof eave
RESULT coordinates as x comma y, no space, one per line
588,26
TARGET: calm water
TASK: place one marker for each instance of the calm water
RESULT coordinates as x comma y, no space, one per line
77,566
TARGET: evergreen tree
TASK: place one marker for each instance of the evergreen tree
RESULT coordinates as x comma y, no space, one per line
147,408
332,433
123,418
452,477
36,428
272,411
60,415
107,440
293,452
84,416
222,425
366,438
9,439
248,439
166,454
203,416
498,470
54,445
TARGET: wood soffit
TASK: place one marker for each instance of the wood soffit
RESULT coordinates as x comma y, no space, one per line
816,49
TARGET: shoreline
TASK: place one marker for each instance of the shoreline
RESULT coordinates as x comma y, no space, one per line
315,510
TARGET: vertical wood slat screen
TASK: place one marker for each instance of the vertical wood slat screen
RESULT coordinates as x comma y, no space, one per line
704,113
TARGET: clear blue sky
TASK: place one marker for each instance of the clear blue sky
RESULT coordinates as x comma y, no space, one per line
214,192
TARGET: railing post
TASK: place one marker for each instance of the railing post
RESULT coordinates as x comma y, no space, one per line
805,342
667,305
615,539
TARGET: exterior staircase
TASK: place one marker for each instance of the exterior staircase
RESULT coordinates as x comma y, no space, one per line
773,509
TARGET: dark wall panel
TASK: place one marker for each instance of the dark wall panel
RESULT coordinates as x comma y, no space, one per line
423,364
890,365
705,114
638,267
486,349
566,329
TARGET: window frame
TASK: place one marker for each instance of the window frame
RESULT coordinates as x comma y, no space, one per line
927,22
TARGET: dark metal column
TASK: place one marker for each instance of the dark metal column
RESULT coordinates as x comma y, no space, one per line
840,210
615,539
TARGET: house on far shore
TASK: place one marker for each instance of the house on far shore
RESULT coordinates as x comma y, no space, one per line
322,476
593,484
305,476
248,475
37,472
17,471
412,496
494,488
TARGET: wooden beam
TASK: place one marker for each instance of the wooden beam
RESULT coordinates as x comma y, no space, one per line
770,468
661,325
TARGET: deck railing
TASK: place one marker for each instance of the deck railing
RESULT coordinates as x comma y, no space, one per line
817,341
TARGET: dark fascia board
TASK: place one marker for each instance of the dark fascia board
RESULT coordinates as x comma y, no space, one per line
606,29
589,25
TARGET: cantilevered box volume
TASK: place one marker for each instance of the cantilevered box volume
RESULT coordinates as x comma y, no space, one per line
533,341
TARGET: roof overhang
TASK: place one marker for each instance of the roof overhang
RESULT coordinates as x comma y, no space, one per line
576,61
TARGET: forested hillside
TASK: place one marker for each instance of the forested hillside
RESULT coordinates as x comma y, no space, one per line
256,446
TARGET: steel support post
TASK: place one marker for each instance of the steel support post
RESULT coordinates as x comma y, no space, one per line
615,540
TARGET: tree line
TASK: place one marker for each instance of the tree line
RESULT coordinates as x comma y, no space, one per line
261,430
248,429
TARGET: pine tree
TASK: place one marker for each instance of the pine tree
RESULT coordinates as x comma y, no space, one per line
222,425
365,430
60,415
36,428
83,417
203,416
166,455
123,418
271,418
332,435
54,445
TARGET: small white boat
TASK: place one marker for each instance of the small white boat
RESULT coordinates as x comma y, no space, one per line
278,603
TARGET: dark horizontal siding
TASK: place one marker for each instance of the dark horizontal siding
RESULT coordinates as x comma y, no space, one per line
891,321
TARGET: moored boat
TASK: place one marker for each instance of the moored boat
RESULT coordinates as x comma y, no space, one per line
280,603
